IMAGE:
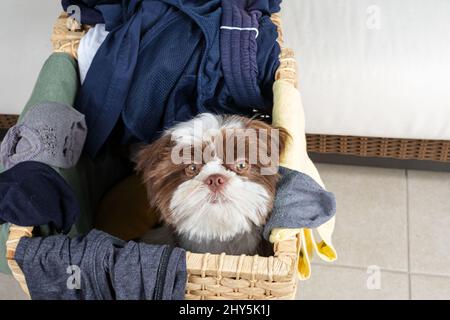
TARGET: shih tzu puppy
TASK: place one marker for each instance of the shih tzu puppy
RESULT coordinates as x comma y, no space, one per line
213,179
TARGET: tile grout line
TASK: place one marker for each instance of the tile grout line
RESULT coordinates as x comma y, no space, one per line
408,236
432,275
362,268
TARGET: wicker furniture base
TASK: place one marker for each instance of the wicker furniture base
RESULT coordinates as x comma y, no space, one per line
403,149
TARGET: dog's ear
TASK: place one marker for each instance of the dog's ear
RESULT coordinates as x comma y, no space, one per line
280,134
148,158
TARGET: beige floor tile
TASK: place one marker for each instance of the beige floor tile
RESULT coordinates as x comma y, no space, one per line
430,287
371,222
340,283
10,289
429,222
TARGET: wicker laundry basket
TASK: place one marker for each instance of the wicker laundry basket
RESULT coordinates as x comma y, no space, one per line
210,276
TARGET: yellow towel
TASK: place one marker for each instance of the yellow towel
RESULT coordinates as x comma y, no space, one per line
288,113
124,212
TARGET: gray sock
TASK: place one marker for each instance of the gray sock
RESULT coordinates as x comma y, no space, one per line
51,133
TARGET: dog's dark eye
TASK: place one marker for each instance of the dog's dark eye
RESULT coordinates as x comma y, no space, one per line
192,169
241,166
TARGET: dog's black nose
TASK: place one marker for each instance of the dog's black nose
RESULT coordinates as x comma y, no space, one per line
216,182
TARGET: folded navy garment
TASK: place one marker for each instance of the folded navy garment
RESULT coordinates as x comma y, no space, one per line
162,64
300,202
245,31
100,267
34,194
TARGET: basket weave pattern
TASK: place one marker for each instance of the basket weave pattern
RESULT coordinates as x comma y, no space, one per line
403,149
67,33
209,276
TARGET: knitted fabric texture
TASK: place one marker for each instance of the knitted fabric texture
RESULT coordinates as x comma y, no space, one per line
51,133
102,268
300,202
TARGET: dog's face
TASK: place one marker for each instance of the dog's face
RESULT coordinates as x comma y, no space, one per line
204,177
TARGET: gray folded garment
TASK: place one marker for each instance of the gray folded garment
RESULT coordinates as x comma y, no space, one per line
101,267
300,202
51,133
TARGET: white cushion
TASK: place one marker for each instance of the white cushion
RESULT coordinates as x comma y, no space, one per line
373,68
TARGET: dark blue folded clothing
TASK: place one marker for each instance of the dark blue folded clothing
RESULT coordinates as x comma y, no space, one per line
34,194
248,50
164,62
100,267
300,202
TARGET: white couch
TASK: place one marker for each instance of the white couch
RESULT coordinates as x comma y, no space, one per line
375,68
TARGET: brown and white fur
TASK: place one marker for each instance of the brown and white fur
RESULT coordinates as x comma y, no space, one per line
209,204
